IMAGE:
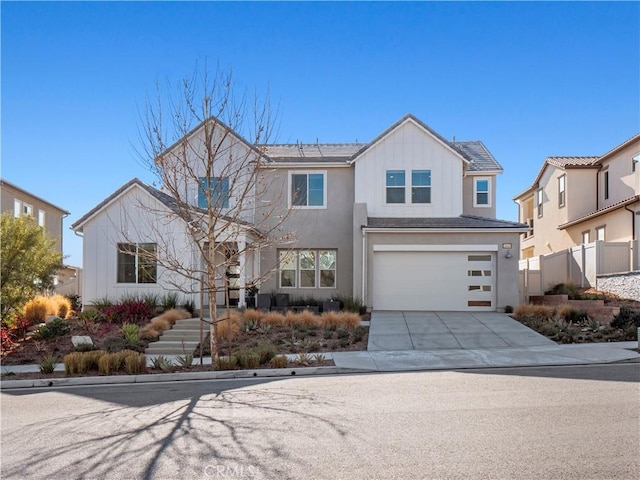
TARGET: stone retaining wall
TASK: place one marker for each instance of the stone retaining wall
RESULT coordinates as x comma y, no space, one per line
625,285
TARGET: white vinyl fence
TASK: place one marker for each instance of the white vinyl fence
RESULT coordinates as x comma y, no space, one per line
579,265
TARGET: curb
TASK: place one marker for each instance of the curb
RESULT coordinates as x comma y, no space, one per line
174,377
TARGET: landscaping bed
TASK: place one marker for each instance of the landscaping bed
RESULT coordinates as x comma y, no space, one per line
568,324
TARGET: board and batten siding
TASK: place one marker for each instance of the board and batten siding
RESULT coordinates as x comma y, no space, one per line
410,147
124,220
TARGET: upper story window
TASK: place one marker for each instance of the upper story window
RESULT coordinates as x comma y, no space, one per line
218,189
396,183
634,162
308,268
395,186
606,185
539,198
561,190
41,218
420,186
482,192
600,234
307,189
137,263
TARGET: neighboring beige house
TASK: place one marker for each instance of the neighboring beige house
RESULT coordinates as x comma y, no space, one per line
20,202
404,222
579,200
50,217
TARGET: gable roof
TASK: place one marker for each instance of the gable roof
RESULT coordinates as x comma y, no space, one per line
460,222
566,163
36,197
167,200
617,149
217,121
420,123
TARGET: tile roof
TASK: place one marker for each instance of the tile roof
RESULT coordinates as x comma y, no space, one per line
463,221
312,152
481,158
564,162
602,211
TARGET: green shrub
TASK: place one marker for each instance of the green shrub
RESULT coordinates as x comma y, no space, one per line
169,300
359,333
247,359
189,306
131,332
161,363
565,289
48,364
55,328
626,318
185,360
342,333
351,304
114,344
266,351
101,303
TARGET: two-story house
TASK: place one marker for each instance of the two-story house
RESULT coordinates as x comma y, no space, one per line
578,200
406,221
50,217
21,202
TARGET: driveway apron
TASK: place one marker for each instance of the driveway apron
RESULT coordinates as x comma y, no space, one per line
404,330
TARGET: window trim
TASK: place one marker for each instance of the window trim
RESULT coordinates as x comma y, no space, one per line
476,192
402,187
317,270
291,173
202,195
426,187
588,235
603,229
562,191
540,202
120,251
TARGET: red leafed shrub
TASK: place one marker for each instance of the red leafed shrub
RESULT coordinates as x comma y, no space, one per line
128,312
5,341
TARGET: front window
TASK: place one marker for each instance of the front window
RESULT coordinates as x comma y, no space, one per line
307,190
137,263
395,186
539,197
600,234
217,192
482,194
586,237
421,186
561,190
308,268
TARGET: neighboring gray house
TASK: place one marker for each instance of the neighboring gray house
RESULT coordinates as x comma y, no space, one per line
406,221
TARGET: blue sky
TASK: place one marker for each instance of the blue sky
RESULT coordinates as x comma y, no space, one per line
528,79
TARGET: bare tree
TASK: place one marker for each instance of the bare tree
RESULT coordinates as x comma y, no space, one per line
204,142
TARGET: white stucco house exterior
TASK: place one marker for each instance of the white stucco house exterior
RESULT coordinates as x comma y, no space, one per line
405,221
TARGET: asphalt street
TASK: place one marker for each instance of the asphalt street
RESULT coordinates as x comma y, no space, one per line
570,422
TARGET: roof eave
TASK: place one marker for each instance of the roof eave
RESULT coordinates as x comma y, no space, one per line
600,212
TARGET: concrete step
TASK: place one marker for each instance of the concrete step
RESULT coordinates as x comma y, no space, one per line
167,348
179,336
189,324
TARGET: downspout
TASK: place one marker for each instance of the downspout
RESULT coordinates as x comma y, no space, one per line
633,222
364,269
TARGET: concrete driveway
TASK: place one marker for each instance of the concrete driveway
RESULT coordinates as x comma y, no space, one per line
398,330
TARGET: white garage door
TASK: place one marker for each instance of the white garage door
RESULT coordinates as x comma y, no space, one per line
433,280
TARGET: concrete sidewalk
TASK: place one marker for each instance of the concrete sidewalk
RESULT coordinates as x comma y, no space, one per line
367,361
